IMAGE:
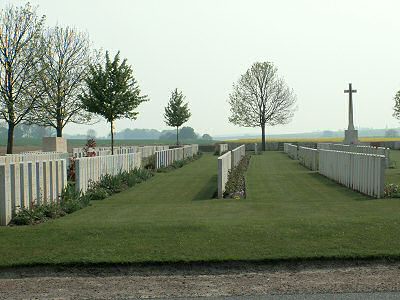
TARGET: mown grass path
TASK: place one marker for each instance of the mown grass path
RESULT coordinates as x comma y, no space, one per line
289,213
311,216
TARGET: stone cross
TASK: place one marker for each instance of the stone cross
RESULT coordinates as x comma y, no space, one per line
350,91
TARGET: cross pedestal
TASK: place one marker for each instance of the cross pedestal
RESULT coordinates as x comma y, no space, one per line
351,137
54,144
351,134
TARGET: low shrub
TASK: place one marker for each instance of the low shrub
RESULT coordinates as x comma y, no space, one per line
179,163
28,217
236,185
109,184
392,190
72,200
52,210
142,174
150,162
40,213
112,184
97,193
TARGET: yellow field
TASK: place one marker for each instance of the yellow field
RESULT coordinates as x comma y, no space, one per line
314,140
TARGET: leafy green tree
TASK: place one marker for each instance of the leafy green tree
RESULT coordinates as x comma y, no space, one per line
261,97
187,133
207,137
396,108
168,135
177,112
32,131
138,134
112,92
91,133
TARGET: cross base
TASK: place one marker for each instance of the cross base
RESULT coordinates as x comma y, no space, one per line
351,137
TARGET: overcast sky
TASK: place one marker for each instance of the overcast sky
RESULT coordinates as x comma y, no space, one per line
203,46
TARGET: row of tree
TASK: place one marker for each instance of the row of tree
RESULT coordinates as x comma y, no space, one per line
42,71
26,131
186,133
51,77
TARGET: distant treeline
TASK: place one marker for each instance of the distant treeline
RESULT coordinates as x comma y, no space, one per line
24,131
37,132
362,132
185,133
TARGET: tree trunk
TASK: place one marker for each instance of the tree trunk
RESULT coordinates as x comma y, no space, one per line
59,130
263,137
10,139
112,138
59,120
177,135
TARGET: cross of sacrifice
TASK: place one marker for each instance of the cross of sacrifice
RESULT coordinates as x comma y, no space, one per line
350,91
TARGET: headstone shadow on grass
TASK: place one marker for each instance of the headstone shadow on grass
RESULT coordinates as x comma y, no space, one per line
208,190
343,190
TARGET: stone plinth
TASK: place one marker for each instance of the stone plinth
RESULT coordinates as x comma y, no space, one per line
54,144
351,137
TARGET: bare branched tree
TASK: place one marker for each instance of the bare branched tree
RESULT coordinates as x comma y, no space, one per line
20,30
64,65
261,98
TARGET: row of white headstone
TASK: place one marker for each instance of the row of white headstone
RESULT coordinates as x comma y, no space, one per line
36,177
226,162
359,171
290,150
90,169
222,148
32,156
167,157
308,157
357,149
29,183
102,151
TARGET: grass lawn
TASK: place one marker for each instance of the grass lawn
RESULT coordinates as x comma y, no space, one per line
393,175
290,213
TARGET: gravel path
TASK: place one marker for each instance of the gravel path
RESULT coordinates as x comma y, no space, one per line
198,280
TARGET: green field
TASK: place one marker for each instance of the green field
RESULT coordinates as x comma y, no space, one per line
393,175
290,213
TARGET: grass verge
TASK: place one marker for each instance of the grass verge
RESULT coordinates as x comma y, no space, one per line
290,213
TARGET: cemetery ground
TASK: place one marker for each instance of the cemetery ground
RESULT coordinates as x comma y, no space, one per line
290,214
